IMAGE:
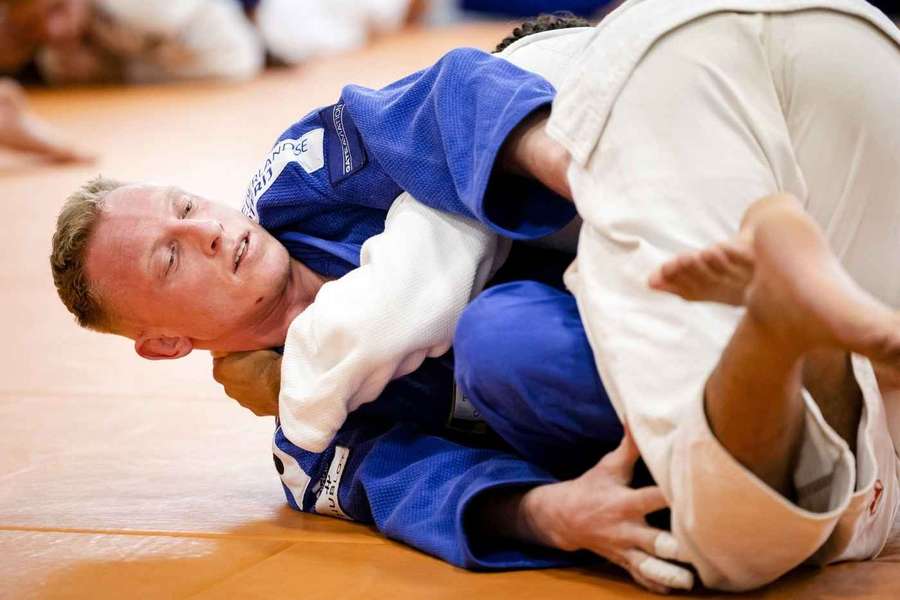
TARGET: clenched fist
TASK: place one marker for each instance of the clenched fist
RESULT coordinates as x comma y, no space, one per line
251,378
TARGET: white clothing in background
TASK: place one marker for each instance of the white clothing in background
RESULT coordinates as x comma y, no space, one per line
296,31
164,40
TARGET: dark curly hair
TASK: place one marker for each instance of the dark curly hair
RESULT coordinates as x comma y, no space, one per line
559,20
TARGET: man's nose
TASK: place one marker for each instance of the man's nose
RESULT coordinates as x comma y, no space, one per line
206,235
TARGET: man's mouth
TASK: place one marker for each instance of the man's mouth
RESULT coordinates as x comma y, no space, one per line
241,251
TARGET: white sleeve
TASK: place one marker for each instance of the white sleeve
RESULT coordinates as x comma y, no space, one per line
380,321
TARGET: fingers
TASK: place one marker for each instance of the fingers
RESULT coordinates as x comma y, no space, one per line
221,363
646,582
739,254
620,462
666,546
715,259
657,542
659,571
218,366
645,500
661,279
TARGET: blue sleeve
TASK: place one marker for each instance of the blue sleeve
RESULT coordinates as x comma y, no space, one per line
415,488
437,134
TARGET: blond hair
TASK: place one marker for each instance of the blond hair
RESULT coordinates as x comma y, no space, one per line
74,226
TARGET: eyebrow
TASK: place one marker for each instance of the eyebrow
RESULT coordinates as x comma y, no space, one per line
172,198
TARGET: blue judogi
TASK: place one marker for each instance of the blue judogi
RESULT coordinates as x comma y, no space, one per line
409,465
329,180
414,461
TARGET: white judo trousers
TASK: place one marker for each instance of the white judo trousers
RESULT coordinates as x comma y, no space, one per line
678,116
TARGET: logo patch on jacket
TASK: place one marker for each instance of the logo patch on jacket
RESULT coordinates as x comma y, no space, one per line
343,144
306,150
329,485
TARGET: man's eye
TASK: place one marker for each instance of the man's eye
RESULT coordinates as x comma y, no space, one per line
188,206
171,259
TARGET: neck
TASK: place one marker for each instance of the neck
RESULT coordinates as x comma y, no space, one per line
299,291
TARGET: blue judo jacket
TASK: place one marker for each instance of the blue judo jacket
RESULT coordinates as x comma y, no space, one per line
324,189
329,180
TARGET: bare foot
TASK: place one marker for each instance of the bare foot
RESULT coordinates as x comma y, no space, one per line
781,268
719,273
800,287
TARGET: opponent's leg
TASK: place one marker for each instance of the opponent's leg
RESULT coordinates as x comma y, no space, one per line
851,167
705,165
851,179
799,299
828,376
723,273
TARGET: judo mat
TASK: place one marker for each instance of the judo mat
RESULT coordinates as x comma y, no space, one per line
125,478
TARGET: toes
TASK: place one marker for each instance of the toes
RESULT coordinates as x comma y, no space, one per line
740,257
715,260
686,275
706,268
676,266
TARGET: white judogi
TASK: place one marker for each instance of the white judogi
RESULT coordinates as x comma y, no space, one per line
678,115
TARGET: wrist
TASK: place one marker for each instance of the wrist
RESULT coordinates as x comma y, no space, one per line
273,378
529,151
540,510
517,153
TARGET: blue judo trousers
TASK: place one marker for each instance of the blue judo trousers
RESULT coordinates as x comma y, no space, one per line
523,361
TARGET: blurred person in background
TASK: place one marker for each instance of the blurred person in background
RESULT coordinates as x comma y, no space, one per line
297,31
132,41
28,25
22,132
85,41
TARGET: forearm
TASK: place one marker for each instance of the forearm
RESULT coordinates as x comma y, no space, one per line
520,514
530,152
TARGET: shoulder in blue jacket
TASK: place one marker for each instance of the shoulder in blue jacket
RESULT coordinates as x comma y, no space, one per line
327,184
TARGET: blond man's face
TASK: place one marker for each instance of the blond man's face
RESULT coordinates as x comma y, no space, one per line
169,262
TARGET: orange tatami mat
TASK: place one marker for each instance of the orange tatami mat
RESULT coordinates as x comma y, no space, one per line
124,478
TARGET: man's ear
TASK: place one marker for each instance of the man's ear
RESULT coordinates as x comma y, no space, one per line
163,347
